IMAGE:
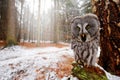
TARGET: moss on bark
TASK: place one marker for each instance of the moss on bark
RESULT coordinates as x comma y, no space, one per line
88,73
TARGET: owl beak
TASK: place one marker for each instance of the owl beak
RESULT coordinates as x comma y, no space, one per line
83,37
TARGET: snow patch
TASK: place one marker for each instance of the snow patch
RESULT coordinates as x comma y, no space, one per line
37,63
28,64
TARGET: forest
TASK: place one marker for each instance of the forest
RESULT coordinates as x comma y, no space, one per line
39,20
35,40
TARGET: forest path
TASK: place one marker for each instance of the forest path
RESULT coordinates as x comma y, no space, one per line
22,55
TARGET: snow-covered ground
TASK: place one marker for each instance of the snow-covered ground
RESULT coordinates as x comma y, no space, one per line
51,63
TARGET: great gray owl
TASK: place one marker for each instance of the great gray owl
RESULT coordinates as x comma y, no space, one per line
85,38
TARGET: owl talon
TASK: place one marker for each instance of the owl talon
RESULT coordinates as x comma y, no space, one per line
80,62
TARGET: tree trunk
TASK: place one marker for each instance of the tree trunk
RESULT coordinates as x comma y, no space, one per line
3,19
11,38
108,12
55,22
39,26
20,23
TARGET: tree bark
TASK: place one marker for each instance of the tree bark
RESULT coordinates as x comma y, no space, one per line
11,38
108,12
39,26
3,19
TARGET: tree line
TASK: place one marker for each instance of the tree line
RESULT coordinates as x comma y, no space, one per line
33,21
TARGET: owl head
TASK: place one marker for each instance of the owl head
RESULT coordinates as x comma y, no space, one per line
85,28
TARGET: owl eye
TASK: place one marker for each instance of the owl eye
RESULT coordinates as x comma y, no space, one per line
87,27
78,28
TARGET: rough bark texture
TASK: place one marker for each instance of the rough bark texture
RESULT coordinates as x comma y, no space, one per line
108,12
11,38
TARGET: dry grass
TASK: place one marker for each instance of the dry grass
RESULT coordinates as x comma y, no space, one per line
33,45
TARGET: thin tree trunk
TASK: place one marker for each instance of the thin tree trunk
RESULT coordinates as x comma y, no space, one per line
55,22
11,38
108,12
38,30
21,18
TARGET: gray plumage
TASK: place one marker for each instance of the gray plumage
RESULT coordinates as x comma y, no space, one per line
85,38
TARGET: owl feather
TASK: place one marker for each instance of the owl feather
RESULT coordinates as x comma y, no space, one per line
85,38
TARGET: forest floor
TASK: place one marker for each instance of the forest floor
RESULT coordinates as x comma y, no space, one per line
30,62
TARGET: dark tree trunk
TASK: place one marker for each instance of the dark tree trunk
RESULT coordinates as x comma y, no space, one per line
3,19
108,12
